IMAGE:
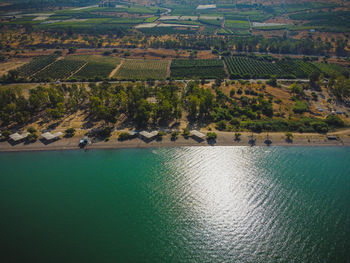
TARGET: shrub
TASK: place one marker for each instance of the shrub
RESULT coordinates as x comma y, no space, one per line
123,136
300,106
161,134
31,130
335,121
186,132
221,125
289,136
211,136
105,132
6,134
32,137
70,132
237,136
174,134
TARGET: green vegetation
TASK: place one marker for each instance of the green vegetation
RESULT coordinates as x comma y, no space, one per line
201,68
237,24
38,63
97,67
264,67
143,69
211,136
70,132
59,70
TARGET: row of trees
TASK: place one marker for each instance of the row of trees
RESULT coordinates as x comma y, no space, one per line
280,45
142,105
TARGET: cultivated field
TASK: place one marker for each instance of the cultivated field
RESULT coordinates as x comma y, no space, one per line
143,69
197,69
59,70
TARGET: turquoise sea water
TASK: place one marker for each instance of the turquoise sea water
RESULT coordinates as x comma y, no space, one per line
191,204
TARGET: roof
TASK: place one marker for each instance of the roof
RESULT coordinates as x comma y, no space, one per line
197,134
49,136
57,134
149,135
132,133
17,137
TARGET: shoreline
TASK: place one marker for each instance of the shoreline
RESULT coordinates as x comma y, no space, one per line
224,139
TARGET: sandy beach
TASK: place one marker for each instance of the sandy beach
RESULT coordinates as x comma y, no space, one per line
223,139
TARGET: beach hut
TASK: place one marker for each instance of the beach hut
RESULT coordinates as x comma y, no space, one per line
132,133
197,134
331,137
16,137
49,136
148,135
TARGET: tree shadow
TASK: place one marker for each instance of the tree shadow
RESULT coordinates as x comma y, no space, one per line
211,142
252,142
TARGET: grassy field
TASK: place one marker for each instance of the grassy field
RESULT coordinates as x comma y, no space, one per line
140,69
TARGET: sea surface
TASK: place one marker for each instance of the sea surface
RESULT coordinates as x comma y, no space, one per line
189,204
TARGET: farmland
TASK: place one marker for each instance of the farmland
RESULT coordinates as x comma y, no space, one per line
97,67
201,68
140,69
249,67
35,65
59,70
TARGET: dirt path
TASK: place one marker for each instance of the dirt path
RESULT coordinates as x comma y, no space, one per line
168,69
116,69
60,58
75,72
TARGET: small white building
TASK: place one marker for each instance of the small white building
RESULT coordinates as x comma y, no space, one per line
17,137
197,134
51,136
149,135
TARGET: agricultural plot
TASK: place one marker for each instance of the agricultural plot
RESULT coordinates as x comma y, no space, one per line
97,67
94,71
197,69
245,67
139,69
35,65
237,24
59,70
331,69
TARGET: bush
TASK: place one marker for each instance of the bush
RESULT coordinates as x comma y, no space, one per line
186,132
335,121
237,136
70,132
6,134
105,132
31,130
32,137
221,125
289,136
300,106
123,136
161,134
211,136
174,134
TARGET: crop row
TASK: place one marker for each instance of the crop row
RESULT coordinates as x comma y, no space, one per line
38,63
244,67
143,69
61,69
202,68
94,70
